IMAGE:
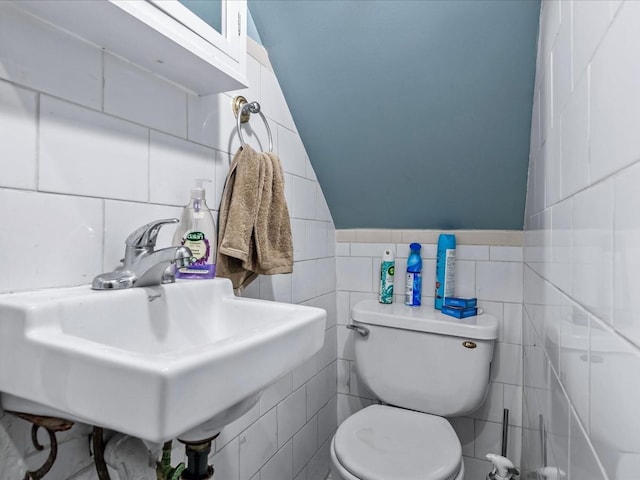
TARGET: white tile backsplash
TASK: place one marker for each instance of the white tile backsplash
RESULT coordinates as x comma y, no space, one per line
317,239
305,444
466,281
327,420
292,415
575,139
626,256
505,254
550,18
614,365
174,164
302,288
280,466
56,240
592,261
273,100
323,213
258,443
584,462
305,372
614,96
513,402
472,252
507,364
211,122
92,147
275,393
291,152
499,281
562,66
304,199
320,389
590,22
375,250
512,323
227,460
354,273
488,437
493,407
84,152
580,254
18,140
465,430
142,97
559,267
38,56
547,120
276,287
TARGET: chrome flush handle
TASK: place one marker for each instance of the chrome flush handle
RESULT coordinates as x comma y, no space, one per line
361,330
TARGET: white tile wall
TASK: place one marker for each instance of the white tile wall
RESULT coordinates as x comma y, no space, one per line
74,72
142,97
292,149
91,147
18,130
280,466
580,324
592,227
174,163
491,272
614,100
103,148
258,443
574,125
626,255
60,236
305,444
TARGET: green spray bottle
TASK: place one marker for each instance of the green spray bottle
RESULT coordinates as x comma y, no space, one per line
387,270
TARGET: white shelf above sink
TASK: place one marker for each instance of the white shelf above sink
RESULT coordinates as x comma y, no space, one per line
143,33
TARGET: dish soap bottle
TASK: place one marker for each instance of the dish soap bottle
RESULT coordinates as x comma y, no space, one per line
413,285
197,230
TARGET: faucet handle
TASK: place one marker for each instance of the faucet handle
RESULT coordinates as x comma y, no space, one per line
145,236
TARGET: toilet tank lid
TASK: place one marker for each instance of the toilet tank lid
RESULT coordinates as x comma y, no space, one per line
425,319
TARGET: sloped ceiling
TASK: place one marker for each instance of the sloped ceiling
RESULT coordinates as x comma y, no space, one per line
414,114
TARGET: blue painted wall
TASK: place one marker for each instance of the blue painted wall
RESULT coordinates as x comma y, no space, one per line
415,114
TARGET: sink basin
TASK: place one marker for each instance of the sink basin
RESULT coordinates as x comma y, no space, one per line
152,362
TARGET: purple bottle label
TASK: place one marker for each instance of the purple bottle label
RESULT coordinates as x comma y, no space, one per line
201,266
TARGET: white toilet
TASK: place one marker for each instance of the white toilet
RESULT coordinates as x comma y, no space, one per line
423,365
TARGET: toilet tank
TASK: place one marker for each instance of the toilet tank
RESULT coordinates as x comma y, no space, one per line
421,359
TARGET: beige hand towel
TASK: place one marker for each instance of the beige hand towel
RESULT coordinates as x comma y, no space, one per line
254,234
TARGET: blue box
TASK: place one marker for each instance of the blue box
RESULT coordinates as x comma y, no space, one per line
459,312
461,302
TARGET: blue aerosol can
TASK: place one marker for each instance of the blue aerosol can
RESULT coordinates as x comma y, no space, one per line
413,285
445,268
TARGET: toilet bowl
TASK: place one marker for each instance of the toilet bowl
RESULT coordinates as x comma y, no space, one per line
383,443
424,365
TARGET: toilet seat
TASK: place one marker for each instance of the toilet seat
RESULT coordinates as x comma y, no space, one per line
382,443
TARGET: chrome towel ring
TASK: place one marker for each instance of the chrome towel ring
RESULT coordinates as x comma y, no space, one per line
243,110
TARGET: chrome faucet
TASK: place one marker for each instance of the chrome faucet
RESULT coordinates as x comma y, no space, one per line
142,265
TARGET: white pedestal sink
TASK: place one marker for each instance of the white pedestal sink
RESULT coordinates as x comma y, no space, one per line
152,362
